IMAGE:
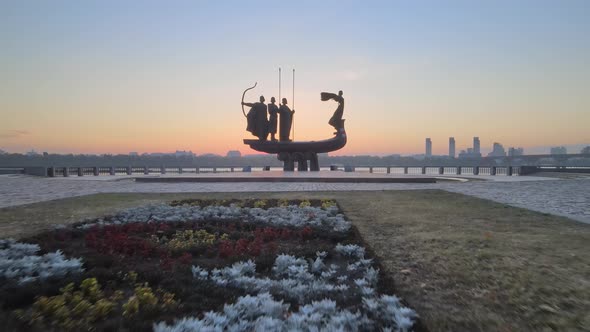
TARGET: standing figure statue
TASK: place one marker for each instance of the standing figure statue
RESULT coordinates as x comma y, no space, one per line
336,119
286,121
257,119
273,111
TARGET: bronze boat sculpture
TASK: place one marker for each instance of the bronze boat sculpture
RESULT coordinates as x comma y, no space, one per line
303,152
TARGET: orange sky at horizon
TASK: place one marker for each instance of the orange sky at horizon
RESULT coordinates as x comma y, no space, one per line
211,121
106,77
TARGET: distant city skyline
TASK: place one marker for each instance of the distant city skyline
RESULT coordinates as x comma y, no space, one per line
518,150
497,149
112,77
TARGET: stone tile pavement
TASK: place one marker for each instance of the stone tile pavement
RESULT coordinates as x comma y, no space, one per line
565,197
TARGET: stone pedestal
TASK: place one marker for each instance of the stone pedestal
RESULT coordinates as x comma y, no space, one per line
301,158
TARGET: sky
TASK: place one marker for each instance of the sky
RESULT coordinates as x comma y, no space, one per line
158,76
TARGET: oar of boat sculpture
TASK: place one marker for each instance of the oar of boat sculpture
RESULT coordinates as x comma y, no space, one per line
304,152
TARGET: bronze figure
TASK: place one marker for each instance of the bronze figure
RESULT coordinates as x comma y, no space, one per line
336,119
304,153
257,119
286,121
273,111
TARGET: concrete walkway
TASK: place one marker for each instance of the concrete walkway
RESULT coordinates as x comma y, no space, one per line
565,197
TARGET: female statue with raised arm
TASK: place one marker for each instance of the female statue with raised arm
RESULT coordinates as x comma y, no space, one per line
336,119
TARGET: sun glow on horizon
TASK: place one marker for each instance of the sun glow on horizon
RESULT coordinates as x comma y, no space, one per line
106,77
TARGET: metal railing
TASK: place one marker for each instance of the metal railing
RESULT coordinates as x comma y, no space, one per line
12,170
435,170
65,171
409,170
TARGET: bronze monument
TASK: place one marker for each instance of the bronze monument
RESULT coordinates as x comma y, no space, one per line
291,152
286,121
273,111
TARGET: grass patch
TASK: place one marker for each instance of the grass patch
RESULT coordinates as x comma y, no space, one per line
462,263
470,264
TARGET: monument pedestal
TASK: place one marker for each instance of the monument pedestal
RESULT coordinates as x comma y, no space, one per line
301,158
304,153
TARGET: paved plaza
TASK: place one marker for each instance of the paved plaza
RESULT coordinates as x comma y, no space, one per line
564,197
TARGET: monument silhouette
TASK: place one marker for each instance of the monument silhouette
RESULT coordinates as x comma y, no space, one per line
287,151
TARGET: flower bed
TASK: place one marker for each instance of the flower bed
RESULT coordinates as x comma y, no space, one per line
201,265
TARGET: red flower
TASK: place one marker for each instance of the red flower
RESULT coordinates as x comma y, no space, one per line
226,249
186,258
306,232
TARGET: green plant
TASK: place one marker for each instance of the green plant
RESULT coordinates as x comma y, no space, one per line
304,203
130,276
191,238
79,309
260,203
71,309
144,299
327,203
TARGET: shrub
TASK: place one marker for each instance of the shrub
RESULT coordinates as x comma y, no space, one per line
304,281
327,203
298,278
71,309
20,261
143,299
260,203
189,238
304,203
81,309
114,239
263,313
292,215
244,247
226,249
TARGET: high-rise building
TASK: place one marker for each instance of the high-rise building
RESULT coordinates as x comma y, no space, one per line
558,150
497,151
513,152
452,147
428,148
471,153
476,145
184,153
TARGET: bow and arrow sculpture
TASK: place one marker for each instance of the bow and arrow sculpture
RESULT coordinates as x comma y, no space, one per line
244,94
